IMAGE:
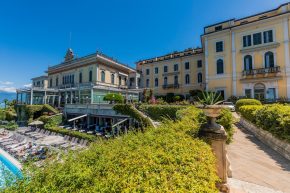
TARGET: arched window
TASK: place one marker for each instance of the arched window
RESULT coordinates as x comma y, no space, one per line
187,80
156,82
112,79
56,81
269,59
199,77
103,76
165,81
248,63
90,76
175,80
147,83
220,66
80,77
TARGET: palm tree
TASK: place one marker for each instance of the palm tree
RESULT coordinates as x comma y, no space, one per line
5,101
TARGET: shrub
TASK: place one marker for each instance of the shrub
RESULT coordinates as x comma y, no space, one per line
249,112
51,121
114,97
130,110
226,120
273,118
159,112
70,133
12,125
243,102
165,159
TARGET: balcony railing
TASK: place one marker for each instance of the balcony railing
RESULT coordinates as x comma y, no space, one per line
275,69
167,86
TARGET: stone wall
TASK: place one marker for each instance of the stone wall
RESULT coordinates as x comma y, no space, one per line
267,138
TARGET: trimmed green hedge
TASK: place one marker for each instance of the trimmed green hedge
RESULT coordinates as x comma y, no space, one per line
194,117
243,102
70,133
273,118
227,121
10,126
51,121
159,112
165,159
114,97
249,112
129,109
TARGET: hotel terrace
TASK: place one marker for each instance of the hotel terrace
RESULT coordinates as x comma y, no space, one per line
78,86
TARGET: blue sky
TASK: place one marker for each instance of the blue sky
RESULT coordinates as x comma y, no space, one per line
34,34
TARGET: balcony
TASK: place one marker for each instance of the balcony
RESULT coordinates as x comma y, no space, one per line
275,69
168,86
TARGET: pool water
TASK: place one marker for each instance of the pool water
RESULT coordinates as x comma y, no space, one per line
9,173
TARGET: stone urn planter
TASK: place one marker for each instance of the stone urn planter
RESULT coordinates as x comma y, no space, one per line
212,112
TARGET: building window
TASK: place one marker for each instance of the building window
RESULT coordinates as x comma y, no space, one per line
218,28
187,80
248,93
247,40
165,69
56,81
268,36
112,79
156,70
176,80
248,63
147,71
156,82
103,76
199,78
120,80
73,79
186,65
257,38
219,46
91,76
165,81
50,83
269,59
222,94
175,67
220,66
147,83
199,63
80,77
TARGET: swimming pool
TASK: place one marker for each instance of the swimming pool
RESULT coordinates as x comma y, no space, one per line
9,173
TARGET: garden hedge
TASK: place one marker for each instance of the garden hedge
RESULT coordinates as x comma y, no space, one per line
130,110
273,118
159,112
70,133
165,159
243,102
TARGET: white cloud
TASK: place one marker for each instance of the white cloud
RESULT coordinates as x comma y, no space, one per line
27,85
7,89
6,83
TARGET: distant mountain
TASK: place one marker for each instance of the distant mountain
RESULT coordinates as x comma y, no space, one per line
6,95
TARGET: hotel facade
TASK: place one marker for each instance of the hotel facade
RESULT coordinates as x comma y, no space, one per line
239,57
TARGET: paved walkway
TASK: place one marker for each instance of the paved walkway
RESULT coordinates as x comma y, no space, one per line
253,162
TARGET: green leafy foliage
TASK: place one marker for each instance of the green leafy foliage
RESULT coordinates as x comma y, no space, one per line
249,112
193,117
226,120
114,97
51,121
166,159
159,112
70,133
210,98
12,125
243,102
130,110
273,118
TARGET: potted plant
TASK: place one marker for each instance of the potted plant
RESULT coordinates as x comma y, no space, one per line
209,103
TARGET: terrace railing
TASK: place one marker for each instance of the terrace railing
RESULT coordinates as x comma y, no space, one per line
167,86
274,69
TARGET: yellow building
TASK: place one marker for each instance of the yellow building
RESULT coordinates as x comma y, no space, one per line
177,72
249,56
